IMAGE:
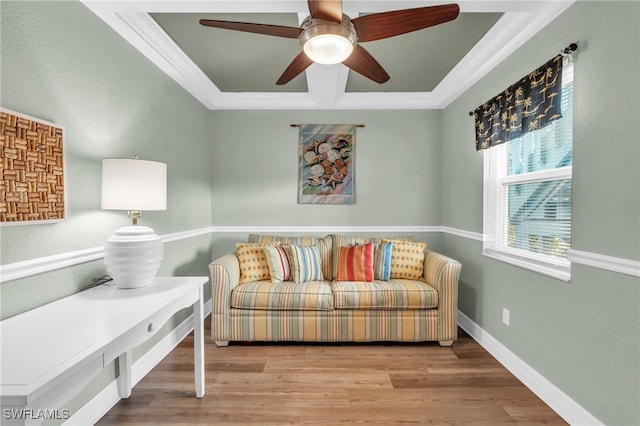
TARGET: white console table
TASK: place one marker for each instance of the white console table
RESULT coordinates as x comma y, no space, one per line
50,353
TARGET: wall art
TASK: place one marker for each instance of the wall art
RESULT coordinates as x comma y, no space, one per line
326,163
32,186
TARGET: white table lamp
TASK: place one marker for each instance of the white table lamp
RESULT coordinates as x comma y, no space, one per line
134,253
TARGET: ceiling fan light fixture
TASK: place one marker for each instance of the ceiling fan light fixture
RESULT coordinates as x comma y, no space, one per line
327,43
328,49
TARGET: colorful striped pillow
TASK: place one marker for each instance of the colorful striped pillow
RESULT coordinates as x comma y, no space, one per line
305,263
355,263
343,241
382,262
278,262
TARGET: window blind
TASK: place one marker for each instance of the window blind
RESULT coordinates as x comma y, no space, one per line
527,214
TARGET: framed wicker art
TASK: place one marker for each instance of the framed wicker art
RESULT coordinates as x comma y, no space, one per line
32,186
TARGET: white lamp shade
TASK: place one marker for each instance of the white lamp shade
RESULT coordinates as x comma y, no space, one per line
133,254
134,185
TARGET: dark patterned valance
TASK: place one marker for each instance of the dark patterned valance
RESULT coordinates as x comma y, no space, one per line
530,104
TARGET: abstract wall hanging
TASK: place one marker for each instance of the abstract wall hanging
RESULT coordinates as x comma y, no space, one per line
32,170
326,163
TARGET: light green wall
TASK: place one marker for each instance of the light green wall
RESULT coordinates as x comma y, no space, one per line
60,63
64,65
397,166
255,171
583,336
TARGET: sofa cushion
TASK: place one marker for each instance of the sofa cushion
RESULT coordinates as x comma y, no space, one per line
305,263
355,263
253,262
407,259
310,296
392,294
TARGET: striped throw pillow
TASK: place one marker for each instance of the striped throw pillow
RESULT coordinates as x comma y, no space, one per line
305,263
382,262
343,241
278,262
355,263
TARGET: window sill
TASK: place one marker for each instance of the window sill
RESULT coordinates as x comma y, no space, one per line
559,272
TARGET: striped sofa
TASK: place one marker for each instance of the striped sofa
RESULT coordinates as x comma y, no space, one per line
331,310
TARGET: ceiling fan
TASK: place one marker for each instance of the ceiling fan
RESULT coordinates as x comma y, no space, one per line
328,36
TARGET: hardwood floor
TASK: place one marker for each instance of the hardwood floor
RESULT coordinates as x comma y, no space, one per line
330,384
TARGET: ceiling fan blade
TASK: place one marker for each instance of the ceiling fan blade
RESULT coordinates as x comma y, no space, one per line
388,24
363,63
273,30
299,64
329,10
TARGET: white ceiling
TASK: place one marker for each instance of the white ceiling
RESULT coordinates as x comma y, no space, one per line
232,70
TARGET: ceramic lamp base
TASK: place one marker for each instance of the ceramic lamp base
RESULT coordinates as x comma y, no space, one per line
133,256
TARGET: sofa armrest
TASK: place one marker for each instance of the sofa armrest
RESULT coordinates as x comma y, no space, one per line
442,273
225,276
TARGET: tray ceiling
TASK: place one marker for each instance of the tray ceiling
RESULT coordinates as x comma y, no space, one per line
226,69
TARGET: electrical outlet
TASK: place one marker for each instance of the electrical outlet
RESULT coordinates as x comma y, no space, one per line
505,316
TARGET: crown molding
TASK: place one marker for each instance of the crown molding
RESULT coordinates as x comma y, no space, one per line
326,84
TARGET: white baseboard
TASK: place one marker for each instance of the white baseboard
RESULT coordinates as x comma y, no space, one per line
560,402
106,399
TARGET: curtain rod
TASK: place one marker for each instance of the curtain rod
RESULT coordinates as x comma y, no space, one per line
564,52
300,125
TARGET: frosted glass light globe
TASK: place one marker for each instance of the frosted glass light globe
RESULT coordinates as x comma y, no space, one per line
328,48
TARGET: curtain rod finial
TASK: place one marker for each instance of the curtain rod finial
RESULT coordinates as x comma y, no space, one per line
570,49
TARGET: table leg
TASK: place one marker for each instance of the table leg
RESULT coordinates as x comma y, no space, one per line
124,378
198,344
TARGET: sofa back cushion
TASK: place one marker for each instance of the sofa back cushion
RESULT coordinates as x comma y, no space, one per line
323,244
305,240
348,240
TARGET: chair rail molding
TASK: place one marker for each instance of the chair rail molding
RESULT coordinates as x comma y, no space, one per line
609,263
41,265
27,268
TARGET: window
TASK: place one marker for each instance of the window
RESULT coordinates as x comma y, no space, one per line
527,195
